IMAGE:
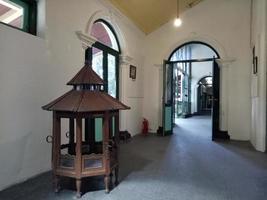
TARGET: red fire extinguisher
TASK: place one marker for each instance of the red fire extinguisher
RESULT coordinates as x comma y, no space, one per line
145,127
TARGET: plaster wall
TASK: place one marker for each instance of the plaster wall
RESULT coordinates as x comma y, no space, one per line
258,81
35,70
24,75
229,35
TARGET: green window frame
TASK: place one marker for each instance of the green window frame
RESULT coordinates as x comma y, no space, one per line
29,15
96,123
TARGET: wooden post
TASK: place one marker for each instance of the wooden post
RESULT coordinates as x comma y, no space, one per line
56,149
71,136
78,157
106,150
117,140
78,186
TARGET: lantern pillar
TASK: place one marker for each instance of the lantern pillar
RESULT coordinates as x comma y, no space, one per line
78,157
106,150
56,148
71,136
117,140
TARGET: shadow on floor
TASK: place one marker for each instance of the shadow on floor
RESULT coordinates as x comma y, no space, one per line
245,150
130,161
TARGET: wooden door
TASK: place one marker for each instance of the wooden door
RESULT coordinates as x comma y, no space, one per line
215,100
167,99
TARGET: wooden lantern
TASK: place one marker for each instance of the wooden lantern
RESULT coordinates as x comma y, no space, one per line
82,156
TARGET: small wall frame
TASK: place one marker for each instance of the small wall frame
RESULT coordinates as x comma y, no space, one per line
255,61
132,73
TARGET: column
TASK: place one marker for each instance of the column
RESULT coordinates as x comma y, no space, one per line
124,74
224,70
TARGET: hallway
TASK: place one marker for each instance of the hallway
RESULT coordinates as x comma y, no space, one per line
185,166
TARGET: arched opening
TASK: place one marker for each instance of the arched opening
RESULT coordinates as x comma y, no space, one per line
191,86
104,56
204,96
184,51
194,60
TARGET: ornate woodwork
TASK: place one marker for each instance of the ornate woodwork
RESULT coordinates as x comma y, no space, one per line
82,156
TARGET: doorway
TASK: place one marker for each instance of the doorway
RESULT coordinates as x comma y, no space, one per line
204,96
191,83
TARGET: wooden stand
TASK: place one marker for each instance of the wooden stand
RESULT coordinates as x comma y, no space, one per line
85,164
84,157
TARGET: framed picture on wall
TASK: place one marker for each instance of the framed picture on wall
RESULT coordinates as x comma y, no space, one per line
255,65
254,62
132,72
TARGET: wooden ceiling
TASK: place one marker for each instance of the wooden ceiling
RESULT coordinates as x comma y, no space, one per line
149,15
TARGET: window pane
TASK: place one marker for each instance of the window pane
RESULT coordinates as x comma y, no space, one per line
193,51
11,13
98,61
104,35
112,75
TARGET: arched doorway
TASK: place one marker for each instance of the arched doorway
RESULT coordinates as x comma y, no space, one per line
204,96
104,56
186,65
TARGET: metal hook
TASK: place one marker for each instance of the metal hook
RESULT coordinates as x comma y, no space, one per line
49,139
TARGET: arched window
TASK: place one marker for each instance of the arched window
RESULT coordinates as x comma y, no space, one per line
105,62
193,51
105,59
105,34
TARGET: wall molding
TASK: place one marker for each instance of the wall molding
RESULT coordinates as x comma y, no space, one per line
208,39
225,62
86,40
158,65
125,59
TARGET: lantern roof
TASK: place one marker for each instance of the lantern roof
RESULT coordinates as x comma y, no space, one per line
85,101
86,96
86,76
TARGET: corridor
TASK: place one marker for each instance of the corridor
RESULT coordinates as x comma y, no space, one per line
184,166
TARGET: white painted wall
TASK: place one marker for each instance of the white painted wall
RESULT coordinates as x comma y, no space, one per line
24,81
34,71
217,23
258,81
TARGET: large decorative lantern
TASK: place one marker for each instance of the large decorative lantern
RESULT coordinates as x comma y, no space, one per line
82,156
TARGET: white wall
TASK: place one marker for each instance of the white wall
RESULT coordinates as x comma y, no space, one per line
34,71
215,22
258,81
24,125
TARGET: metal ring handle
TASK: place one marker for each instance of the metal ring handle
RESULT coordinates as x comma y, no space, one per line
49,139
67,134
